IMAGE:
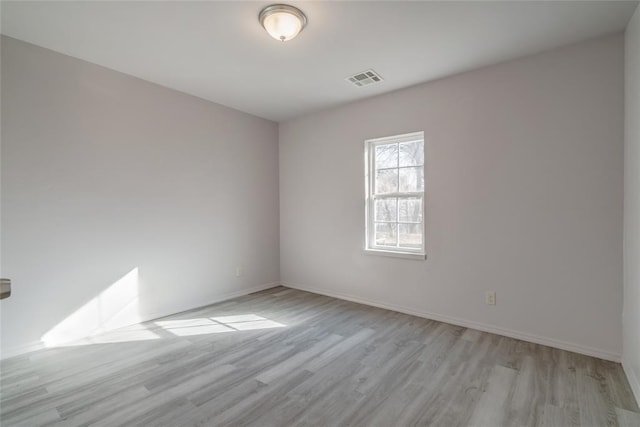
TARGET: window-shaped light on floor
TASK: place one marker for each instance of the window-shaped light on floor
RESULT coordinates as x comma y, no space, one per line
216,325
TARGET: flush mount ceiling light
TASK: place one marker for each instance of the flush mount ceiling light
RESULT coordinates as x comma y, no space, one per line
282,22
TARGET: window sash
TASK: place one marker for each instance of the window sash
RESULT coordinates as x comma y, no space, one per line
371,232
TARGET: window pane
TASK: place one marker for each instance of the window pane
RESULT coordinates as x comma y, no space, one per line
411,179
386,156
410,235
386,210
386,234
412,153
387,181
410,209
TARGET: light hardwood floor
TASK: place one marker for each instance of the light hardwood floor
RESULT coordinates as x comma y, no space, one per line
284,357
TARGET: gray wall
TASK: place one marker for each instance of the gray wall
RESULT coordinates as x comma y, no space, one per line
631,311
524,174
103,173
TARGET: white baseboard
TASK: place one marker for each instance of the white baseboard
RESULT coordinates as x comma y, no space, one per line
39,345
633,379
550,342
220,298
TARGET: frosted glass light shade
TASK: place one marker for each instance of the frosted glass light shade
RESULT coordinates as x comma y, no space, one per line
282,22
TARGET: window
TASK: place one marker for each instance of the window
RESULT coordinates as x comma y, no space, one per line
394,168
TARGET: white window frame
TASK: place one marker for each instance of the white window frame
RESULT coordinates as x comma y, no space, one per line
370,197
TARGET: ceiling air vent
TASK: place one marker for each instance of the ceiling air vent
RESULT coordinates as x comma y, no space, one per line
365,78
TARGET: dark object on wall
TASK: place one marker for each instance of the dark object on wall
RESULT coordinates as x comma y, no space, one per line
5,288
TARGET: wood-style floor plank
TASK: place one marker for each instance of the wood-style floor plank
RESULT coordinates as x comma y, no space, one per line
284,357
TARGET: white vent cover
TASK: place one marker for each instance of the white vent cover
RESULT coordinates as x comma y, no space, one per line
365,78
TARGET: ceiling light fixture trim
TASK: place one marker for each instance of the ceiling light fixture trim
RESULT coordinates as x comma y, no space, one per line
282,22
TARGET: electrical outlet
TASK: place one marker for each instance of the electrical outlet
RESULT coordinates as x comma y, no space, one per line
238,271
490,297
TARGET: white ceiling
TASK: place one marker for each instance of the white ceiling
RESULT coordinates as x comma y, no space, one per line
218,50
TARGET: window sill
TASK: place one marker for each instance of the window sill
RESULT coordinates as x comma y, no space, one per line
404,255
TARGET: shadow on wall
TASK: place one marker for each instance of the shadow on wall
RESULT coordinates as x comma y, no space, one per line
105,318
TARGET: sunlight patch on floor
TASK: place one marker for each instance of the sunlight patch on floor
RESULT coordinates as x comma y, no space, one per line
113,337
216,325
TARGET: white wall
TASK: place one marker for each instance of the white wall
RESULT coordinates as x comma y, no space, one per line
524,196
103,173
631,310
